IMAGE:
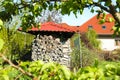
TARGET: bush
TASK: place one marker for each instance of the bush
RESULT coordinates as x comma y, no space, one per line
16,44
85,54
87,59
21,45
92,37
89,39
111,55
52,71
38,71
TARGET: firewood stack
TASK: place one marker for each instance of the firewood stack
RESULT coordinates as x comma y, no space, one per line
48,48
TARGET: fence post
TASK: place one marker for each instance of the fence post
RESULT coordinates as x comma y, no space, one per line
80,51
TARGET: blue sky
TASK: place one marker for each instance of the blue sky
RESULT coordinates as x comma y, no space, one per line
72,20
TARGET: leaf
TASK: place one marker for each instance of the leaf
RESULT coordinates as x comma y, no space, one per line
1,22
111,69
102,21
111,19
92,10
89,75
24,64
96,63
81,11
66,72
108,3
44,77
118,1
49,65
90,1
114,28
36,7
5,77
1,44
104,16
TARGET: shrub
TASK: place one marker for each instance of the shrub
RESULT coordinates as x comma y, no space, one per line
52,71
38,71
111,55
21,45
87,59
84,54
16,44
92,37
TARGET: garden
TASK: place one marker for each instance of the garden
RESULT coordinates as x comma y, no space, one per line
88,61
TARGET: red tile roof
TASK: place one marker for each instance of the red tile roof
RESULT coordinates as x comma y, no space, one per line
51,26
94,22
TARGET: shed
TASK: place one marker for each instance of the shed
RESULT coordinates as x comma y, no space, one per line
52,42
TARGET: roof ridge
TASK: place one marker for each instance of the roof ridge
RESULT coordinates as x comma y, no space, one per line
60,26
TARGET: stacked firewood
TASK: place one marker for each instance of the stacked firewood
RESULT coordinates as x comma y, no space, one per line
48,48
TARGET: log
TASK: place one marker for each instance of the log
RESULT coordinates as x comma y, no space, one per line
49,48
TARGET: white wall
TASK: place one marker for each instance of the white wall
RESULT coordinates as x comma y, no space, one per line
108,44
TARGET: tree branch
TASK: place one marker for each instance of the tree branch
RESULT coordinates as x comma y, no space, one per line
114,13
28,3
18,76
18,68
101,6
111,10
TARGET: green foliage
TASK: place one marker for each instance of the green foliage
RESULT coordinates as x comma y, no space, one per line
1,40
9,71
53,71
29,10
1,44
92,37
39,70
90,73
21,44
83,55
116,29
88,57
1,23
102,21
3,36
16,44
106,72
109,6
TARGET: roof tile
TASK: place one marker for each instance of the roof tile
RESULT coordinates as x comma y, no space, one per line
51,26
94,22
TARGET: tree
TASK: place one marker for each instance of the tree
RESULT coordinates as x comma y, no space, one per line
110,6
52,16
93,41
27,9
30,9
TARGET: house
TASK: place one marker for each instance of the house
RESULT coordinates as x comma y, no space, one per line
52,42
104,32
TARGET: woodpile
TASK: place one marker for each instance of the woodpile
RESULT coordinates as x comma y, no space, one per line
49,48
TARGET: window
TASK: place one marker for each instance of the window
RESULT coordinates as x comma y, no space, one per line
104,27
90,27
